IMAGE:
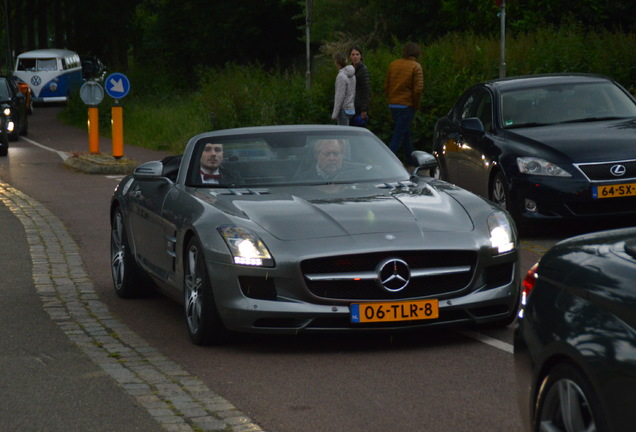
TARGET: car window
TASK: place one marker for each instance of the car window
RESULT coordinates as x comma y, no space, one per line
4,90
292,158
565,103
483,108
467,107
478,104
47,64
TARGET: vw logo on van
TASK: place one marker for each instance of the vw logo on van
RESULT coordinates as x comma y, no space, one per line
36,80
618,170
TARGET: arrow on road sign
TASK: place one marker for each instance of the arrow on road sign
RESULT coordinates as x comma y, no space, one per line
118,85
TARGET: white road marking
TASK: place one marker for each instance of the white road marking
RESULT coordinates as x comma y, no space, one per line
63,155
504,346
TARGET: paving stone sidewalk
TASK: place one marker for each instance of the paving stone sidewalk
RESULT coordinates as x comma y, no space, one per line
178,401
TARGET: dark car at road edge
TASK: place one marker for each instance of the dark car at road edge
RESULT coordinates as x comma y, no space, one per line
575,337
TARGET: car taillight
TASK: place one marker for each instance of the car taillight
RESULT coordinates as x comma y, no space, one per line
528,283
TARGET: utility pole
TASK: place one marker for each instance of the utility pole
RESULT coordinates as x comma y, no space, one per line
502,15
308,18
6,27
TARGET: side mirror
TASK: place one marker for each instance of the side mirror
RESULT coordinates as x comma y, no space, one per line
472,125
152,170
424,161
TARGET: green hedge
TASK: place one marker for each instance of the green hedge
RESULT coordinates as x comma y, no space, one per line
163,114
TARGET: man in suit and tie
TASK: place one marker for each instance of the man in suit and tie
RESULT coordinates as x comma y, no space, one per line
211,170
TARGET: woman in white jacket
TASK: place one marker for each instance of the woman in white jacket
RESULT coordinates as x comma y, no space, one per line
344,99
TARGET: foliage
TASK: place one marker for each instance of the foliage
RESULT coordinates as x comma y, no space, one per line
160,113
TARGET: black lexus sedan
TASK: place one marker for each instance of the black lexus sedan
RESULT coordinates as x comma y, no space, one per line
575,337
544,146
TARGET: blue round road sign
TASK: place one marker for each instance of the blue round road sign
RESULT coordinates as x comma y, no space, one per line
117,85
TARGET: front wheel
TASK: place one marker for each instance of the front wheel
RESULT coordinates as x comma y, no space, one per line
567,402
202,318
499,191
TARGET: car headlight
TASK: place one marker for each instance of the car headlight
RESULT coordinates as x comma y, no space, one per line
7,112
245,246
537,166
53,86
502,238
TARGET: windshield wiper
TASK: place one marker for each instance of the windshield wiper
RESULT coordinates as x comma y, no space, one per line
526,125
594,119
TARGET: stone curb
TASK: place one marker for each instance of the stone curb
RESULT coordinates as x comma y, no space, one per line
99,163
178,401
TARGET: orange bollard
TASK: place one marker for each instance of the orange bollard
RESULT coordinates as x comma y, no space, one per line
93,130
118,131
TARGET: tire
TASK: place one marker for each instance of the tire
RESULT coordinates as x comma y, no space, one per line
128,279
583,412
201,315
499,191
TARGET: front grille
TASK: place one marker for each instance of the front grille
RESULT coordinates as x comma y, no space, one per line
601,171
352,288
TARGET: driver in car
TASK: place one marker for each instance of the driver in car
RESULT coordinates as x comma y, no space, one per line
329,155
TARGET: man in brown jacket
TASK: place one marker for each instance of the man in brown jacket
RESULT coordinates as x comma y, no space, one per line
403,86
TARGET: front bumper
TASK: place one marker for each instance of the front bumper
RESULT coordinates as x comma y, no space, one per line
559,198
293,315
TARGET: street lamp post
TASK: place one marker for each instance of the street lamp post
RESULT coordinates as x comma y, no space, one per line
308,10
502,63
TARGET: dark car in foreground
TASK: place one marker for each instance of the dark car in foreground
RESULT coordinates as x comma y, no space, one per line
310,229
544,146
575,339
13,104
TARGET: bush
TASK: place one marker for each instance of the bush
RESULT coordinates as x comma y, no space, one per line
162,113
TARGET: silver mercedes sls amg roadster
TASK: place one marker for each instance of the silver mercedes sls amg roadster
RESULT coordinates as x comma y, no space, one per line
288,229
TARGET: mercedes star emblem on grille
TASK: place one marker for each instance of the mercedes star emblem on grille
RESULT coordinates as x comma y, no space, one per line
618,170
393,274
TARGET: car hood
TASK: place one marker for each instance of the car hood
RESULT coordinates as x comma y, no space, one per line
587,142
340,210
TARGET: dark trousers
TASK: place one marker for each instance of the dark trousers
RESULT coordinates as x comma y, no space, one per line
403,117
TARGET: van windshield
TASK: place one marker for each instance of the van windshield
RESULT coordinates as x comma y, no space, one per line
32,65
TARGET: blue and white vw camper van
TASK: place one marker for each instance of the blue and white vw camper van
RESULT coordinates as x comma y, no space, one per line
52,74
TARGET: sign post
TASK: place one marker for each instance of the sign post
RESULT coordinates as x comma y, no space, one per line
117,86
92,95
502,16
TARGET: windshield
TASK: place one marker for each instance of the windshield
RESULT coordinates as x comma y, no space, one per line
565,103
4,89
293,158
35,65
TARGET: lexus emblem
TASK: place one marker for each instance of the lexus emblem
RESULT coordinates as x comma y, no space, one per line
36,80
618,170
393,274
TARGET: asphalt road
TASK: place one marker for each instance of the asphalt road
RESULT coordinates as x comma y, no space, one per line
443,380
